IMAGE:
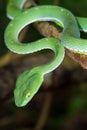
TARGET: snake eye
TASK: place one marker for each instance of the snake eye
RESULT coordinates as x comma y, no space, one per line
27,95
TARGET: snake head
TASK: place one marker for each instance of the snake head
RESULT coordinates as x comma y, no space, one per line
27,86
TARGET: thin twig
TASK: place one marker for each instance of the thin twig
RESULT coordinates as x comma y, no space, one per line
45,112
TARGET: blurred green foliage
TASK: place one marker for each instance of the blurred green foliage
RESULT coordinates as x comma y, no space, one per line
78,7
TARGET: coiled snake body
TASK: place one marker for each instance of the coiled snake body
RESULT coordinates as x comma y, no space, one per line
29,82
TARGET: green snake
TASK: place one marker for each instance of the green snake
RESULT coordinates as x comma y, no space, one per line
30,81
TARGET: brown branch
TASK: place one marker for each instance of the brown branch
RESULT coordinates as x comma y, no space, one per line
79,58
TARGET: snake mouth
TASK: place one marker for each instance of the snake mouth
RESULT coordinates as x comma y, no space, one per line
20,104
